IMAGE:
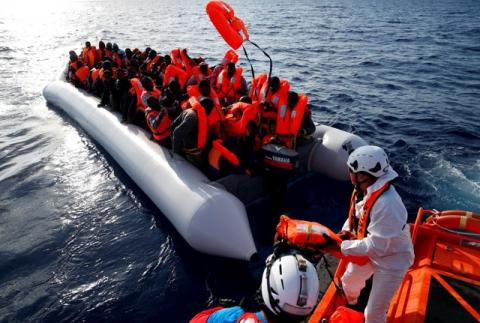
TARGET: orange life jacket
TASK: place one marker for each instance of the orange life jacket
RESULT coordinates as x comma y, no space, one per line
231,28
359,227
95,73
173,72
178,56
89,56
289,121
218,151
256,86
152,62
314,237
238,127
73,66
162,130
279,98
346,315
145,95
82,74
193,91
228,87
230,56
202,123
199,76
137,89
304,234
117,59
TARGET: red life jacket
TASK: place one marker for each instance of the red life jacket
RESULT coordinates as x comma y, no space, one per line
202,123
82,74
73,66
94,73
199,76
256,86
230,56
238,127
289,121
152,62
360,229
137,90
145,95
162,130
218,151
173,72
89,56
116,58
228,87
279,98
193,91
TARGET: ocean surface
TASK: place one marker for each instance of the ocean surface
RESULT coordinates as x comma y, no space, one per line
79,241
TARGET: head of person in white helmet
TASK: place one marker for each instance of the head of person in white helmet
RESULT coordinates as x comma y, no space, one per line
288,293
368,163
289,288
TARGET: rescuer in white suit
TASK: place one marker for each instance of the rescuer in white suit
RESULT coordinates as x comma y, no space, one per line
376,227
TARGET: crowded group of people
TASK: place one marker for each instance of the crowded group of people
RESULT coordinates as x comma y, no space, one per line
220,122
209,114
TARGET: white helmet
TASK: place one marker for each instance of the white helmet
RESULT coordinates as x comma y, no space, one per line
369,159
290,285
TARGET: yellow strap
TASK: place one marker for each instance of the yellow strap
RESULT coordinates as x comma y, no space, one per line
463,222
309,233
468,214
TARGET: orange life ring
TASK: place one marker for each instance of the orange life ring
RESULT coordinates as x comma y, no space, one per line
469,222
231,28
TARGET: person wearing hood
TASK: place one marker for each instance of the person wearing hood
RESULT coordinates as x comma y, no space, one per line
377,228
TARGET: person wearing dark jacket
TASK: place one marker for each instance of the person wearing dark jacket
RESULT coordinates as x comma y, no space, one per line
185,132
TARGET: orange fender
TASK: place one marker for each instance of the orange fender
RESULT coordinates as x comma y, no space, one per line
230,27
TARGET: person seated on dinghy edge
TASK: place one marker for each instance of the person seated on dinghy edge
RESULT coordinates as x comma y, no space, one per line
158,121
376,227
288,293
89,55
189,130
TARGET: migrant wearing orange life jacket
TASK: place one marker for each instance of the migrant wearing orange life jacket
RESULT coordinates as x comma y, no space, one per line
179,59
117,59
82,75
256,86
239,116
137,90
152,62
289,120
89,56
276,102
199,76
145,95
228,87
193,91
202,127
159,124
173,72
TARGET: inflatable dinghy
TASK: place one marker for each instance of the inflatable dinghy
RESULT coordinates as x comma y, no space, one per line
206,215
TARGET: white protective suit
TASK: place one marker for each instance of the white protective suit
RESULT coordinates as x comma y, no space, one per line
388,246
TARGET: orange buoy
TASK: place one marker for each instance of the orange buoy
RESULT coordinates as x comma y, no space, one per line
469,222
231,28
